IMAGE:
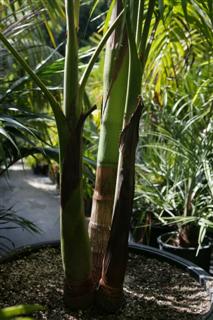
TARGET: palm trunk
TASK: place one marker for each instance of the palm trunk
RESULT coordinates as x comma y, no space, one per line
110,291
101,215
115,81
78,288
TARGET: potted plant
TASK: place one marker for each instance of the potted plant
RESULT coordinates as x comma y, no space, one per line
177,183
79,287
146,227
190,241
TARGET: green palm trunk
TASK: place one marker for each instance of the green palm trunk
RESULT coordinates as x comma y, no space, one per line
110,289
114,92
78,288
74,237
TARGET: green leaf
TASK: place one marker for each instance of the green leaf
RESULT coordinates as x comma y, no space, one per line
161,7
109,13
11,312
51,35
93,8
210,4
59,116
16,124
93,59
184,6
4,133
209,175
76,13
140,21
134,76
146,29
22,318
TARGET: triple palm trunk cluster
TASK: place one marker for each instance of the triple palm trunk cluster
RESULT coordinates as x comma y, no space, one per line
97,264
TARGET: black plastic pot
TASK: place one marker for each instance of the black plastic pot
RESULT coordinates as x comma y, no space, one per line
149,235
198,273
203,257
209,233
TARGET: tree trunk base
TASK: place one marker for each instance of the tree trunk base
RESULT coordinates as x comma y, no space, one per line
78,295
109,299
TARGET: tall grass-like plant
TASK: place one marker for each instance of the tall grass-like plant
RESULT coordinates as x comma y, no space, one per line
175,167
177,82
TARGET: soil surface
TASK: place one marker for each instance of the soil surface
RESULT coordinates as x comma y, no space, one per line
153,290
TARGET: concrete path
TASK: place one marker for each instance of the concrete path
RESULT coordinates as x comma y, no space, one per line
33,197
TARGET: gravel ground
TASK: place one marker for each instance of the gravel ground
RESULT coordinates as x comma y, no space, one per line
153,290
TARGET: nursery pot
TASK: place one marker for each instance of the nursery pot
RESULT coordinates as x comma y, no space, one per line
150,236
202,259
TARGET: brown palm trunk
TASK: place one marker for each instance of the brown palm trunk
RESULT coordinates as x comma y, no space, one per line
100,222
110,291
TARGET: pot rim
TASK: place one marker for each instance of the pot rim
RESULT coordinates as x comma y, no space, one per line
134,247
27,249
195,271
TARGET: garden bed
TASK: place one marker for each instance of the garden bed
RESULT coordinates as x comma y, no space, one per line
153,289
